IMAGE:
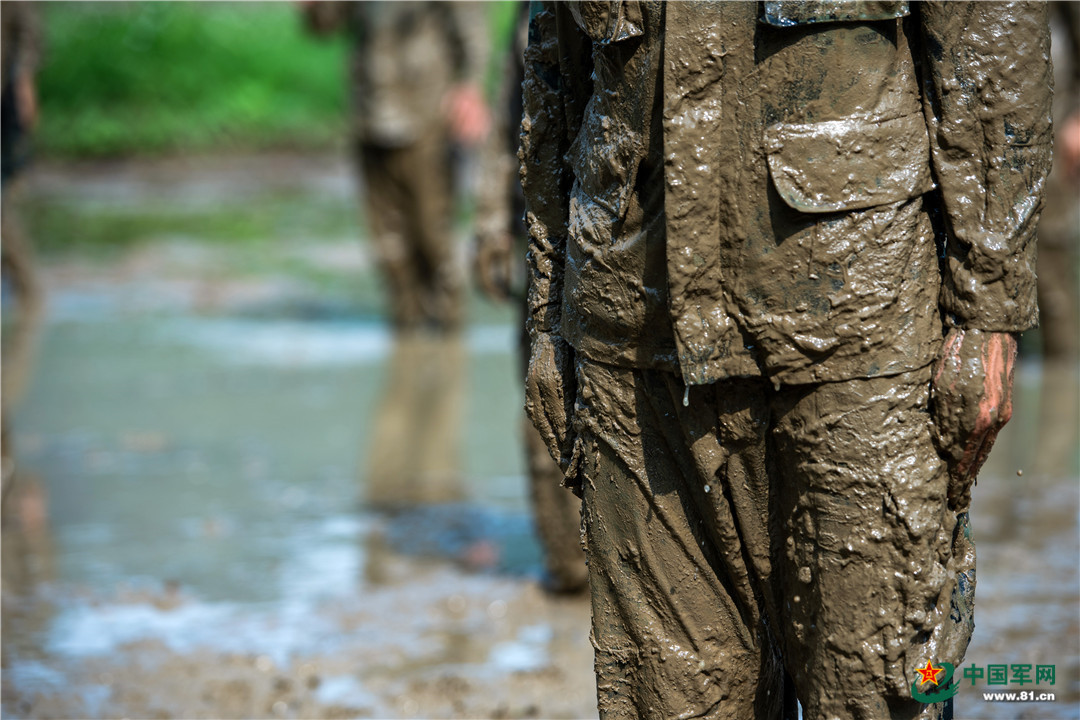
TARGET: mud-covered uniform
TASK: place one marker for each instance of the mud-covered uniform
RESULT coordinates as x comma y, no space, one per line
749,224
406,57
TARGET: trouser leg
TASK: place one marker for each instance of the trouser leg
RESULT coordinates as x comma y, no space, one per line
21,269
428,172
678,625
387,198
557,514
871,554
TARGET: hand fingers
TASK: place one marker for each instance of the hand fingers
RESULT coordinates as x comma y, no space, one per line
545,410
994,404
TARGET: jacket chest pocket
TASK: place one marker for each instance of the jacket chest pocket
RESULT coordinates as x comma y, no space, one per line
865,143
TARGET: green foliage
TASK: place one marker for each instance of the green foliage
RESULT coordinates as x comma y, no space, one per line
165,76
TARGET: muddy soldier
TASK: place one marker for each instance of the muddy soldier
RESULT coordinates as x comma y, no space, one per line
20,46
416,72
778,254
1059,228
500,270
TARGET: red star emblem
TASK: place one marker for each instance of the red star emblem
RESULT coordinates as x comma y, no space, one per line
929,673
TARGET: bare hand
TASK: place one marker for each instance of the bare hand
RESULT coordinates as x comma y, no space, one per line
972,393
1068,146
550,393
467,114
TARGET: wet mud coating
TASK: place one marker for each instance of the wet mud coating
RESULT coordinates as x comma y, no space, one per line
778,255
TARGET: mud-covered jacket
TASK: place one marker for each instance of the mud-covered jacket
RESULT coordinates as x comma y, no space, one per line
405,57
805,190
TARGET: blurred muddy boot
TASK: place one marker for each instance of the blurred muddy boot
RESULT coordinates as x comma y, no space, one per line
557,514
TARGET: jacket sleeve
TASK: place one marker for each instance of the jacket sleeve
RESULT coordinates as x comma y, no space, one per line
547,129
987,92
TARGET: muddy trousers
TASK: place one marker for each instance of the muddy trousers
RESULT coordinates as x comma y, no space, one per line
409,202
755,541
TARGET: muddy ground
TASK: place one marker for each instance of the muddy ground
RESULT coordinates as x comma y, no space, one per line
189,534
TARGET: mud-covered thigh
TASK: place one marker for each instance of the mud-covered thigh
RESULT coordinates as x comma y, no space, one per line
865,554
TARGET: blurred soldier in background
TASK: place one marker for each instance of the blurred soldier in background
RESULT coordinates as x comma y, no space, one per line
501,241
1059,246
416,75
21,49
1059,228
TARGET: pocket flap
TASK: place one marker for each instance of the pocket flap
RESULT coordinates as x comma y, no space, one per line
849,164
787,13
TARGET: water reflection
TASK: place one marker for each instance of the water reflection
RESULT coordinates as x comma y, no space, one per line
415,450
192,525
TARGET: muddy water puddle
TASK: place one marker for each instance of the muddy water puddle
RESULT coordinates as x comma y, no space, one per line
192,498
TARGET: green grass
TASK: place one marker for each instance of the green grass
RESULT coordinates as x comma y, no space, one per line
152,77
123,78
